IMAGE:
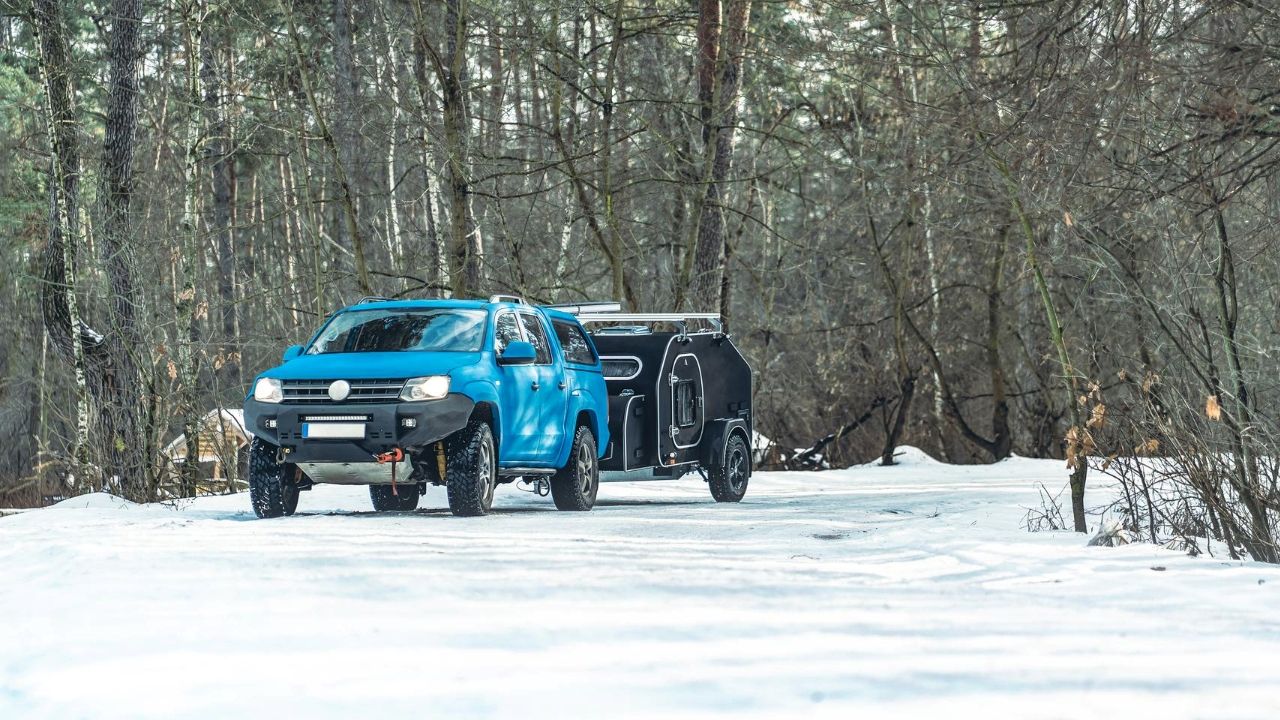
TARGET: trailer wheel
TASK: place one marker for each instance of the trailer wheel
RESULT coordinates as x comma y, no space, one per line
471,469
574,486
384,501
729,481
272,490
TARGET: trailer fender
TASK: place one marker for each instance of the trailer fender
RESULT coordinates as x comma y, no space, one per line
714,443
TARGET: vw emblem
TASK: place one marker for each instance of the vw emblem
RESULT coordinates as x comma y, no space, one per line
339,390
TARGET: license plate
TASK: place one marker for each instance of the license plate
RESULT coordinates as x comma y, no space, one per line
342,431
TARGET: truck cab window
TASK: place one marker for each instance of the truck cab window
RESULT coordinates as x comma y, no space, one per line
538,337
506,331
574,342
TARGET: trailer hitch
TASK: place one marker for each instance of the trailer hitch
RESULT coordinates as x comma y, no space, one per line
539,486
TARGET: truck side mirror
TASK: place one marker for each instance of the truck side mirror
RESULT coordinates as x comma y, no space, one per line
291,352
518,353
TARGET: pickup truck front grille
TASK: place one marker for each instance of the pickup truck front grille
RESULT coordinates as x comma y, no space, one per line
316,392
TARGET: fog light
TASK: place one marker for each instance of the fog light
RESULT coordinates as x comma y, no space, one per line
409,422
271,424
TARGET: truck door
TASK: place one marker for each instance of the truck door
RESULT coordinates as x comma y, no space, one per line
581,374
551,395
519,413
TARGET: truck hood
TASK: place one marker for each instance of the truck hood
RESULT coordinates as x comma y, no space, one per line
371,365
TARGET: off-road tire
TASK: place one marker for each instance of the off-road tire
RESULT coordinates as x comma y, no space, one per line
471,469
405,501
272,490
574,486
729,481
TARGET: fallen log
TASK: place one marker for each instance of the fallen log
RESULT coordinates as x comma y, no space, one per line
807,459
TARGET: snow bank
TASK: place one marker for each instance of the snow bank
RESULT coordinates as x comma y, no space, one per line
904,591
94,501
909,456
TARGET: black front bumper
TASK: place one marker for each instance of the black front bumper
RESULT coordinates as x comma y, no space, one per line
385,426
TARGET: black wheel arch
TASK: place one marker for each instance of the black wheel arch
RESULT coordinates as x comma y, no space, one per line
486,412
587,420
715,442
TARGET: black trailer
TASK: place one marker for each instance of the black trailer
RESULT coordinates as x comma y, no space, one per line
679,399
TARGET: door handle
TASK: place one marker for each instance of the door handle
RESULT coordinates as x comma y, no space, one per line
562,384
535,385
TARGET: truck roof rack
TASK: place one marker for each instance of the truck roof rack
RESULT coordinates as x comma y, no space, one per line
507,298
679,319
371,299
587,306
624,330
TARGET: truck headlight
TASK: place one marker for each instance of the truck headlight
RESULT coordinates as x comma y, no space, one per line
432,387
268,390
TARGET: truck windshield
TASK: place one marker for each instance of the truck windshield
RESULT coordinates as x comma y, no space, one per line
382,330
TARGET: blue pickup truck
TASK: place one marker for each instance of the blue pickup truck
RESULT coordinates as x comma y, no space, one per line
399,394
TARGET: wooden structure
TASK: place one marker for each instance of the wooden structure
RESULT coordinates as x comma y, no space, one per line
223,447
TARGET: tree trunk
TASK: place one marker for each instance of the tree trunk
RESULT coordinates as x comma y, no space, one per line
1001,437
71,337
1239,418
607,235
907,391
395,243
621,288
123,431
705,259
218,151
1077,433
346,193
344,105
467,248
439,273
186,371
708,39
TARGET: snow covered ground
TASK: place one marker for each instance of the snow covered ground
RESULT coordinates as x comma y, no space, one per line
908,591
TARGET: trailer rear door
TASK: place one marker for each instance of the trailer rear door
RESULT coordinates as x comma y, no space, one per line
685,385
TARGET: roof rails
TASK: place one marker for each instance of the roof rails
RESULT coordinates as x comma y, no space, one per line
680,320
507,298
624,330
589,306
371,299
